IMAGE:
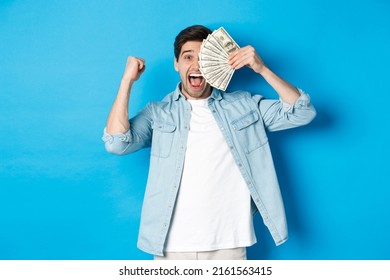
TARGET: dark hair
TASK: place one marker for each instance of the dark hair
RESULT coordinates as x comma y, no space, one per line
191,33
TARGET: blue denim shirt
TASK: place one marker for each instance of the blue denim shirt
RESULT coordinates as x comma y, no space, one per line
243,120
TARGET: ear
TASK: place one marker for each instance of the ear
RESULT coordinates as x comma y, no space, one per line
175,64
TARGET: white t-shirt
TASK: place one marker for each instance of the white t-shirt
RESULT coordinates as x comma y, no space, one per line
213,208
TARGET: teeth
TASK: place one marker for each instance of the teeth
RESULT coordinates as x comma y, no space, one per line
196,75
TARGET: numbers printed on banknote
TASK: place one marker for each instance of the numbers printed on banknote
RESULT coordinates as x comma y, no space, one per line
213,58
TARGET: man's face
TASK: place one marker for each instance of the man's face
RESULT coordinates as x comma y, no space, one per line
193,85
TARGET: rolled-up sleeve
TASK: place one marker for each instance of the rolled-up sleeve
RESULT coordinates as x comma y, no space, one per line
279,115
137,137
116,143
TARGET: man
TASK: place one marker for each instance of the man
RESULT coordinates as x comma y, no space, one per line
211,166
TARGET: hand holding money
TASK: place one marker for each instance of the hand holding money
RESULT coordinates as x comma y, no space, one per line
246,56
213,58
220,56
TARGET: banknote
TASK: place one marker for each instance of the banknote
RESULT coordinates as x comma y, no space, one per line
213,43
208,49
224,40
208,71
213,58
210,63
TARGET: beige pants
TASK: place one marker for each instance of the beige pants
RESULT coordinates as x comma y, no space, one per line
224,254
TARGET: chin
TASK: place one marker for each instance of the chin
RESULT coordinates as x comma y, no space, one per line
203,94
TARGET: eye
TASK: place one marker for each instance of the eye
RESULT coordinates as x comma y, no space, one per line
187,57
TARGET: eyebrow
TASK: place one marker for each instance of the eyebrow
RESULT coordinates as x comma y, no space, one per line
186,51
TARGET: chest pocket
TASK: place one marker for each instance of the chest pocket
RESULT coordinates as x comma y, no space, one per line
162,140
250,131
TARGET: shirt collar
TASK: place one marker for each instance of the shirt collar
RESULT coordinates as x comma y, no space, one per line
177,93
216,94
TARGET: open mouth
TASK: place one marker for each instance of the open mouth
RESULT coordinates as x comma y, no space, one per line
196,79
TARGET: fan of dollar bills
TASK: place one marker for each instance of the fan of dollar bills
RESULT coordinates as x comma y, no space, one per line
213,58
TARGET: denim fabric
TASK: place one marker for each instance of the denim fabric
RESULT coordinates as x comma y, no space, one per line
243,119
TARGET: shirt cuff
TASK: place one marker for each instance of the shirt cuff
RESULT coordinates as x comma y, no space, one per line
123,137
302,102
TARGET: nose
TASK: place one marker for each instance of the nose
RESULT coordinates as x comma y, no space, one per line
196,62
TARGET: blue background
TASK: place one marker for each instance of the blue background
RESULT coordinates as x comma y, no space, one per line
63,197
